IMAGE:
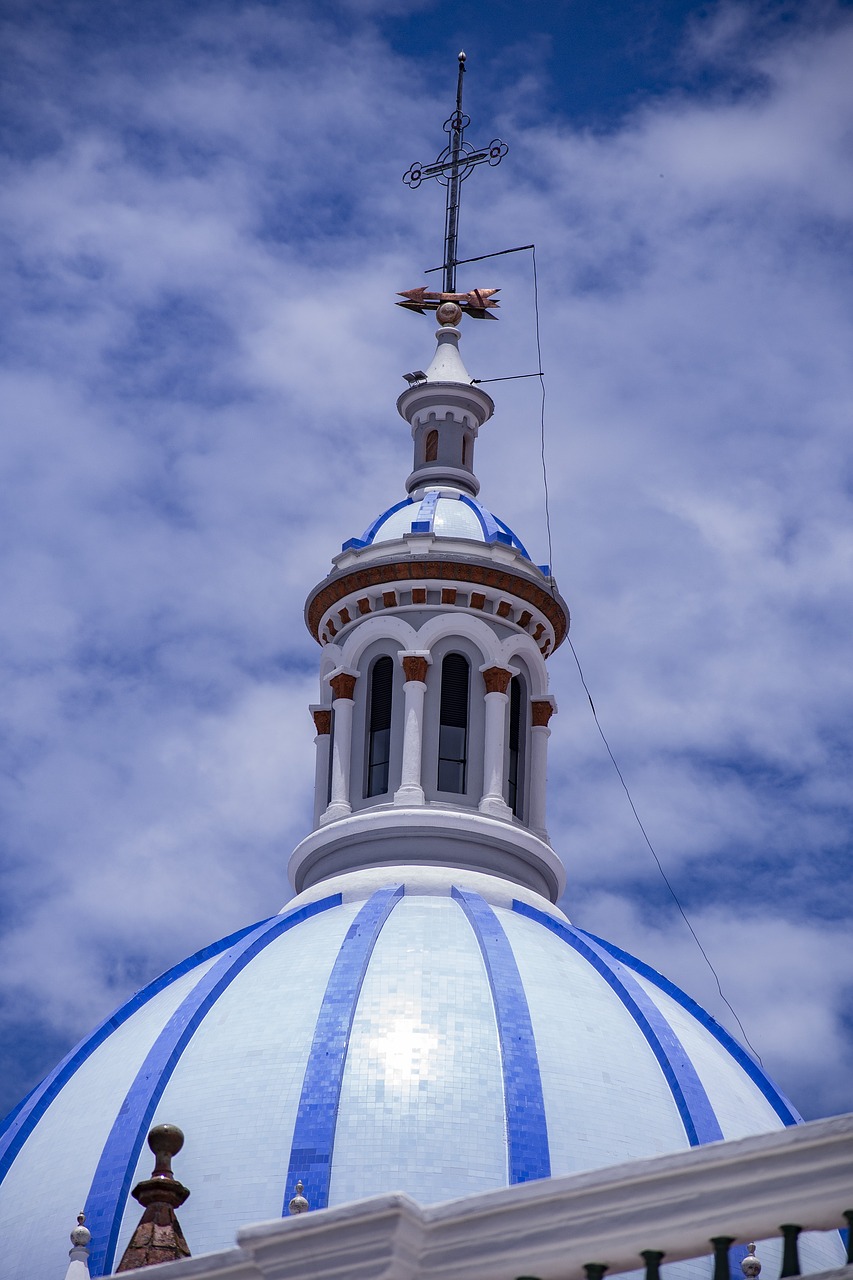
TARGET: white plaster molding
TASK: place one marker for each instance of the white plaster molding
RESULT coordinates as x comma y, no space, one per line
550,1228
431,835
387,625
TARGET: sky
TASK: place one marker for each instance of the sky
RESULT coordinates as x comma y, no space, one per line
204,230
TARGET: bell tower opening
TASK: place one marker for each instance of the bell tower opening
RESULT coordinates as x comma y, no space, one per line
453,724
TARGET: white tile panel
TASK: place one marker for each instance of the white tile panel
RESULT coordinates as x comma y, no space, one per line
47,1185
421,1106
236,1089
606,1099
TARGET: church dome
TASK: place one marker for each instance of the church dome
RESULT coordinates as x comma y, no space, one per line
440,512
421,1017
406,1029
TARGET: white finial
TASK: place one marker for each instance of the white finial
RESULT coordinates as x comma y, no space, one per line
78,1254
750,1266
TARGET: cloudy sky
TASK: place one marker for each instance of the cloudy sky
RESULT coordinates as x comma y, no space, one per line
203,230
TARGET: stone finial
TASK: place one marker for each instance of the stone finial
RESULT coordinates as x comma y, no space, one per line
298,1204
81,1235
78,1254
158,1237
750,1266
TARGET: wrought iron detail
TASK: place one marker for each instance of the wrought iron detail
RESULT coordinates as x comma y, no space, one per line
450,169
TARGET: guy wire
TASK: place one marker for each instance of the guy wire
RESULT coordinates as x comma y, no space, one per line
553,589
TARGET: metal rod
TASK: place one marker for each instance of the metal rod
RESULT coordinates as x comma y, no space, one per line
509,377
790,1252
482,258
451,216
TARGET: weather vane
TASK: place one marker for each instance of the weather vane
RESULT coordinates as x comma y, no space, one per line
451,167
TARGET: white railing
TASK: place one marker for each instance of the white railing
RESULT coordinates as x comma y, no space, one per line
551,1229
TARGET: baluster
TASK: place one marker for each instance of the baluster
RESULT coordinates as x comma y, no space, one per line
594,1270
653,1260
722,1244
791,1252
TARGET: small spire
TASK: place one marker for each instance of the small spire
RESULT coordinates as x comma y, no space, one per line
447,364
78,1254
298,1204
158,1236
750,1266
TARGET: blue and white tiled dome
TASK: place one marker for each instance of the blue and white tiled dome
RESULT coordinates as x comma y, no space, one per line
432,1031
442,512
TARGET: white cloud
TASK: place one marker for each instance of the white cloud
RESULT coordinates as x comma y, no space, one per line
205,238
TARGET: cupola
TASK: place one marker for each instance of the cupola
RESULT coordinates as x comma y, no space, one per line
432,723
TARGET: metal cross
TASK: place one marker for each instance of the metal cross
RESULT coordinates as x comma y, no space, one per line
451,167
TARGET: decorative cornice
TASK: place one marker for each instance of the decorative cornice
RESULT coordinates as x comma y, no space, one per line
343,685
497,679
322,719
541,710
415,667
458,571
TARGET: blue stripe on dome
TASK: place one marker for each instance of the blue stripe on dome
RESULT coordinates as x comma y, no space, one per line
317,1117
111,1184
494,530
487,521
514,538
526,1125
784,1109
21,1121
694,1105
424,521
372,530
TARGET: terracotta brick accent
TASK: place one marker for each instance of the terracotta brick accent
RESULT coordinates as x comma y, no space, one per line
448,595
478,600
344,617
331,628
343,685
363,605
389,599
525,620
415,668
540,712
323,720
537,634
504,609
419,595
458,572
497,679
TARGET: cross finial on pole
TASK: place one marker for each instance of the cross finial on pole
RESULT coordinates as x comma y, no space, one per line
451,167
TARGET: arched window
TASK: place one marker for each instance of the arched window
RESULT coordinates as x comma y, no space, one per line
379,727
453,724
515,774
431,454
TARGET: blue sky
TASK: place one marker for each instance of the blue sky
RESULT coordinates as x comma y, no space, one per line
204,230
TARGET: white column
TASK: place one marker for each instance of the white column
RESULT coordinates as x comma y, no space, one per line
494,746
343,688
323,724
541,710
415,663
